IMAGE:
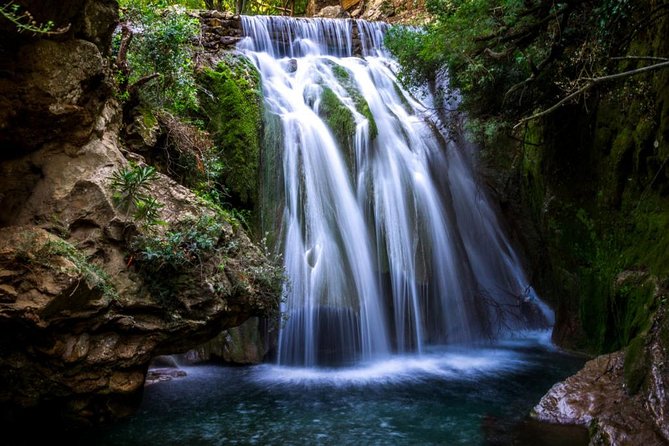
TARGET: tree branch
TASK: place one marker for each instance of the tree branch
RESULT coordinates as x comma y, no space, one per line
591,83
641,58
122,56
141,81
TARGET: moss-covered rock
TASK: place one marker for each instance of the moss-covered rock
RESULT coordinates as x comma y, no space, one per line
345,79
340,117
340,121
232,103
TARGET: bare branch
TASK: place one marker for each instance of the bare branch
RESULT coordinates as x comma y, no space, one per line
640,58
591,83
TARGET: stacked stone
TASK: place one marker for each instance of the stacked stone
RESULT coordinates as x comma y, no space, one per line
220,30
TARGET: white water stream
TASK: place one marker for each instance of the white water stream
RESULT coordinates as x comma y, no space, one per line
389,243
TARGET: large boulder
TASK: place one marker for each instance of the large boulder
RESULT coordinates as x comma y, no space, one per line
314,6
53,87
596,398
55,93
620,397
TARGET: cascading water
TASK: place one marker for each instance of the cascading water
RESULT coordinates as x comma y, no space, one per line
388,242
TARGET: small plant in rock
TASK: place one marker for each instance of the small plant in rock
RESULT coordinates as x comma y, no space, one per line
33,250
131,187
24,21
95,276
184,245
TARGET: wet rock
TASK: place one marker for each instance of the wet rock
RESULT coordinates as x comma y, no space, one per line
155,376
291,65
596,397
247,344
621,397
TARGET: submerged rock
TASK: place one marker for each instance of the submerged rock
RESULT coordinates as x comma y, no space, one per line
155,376
164,371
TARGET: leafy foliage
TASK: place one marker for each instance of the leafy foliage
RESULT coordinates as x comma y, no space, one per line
183,245
161,46
196,248
265,7
131,192
24,21
508,57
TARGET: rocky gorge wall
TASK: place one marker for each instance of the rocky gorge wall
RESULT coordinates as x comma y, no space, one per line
80,319
587,191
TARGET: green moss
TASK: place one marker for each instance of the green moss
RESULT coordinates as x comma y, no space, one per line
343,76
363,107
340,120
232,102
341,73
531,168
648,234
148,117
636,365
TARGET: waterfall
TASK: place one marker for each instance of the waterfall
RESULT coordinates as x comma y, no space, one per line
389,244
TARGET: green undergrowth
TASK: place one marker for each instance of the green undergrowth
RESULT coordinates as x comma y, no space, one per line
196,250
47,255
171,260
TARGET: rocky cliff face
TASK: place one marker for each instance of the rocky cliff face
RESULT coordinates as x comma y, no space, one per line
587,191
80,319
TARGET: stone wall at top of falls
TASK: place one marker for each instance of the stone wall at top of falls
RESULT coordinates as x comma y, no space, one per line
79,320
222,31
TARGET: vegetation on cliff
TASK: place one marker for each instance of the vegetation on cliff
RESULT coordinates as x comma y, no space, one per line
107,261
198,122
592,162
